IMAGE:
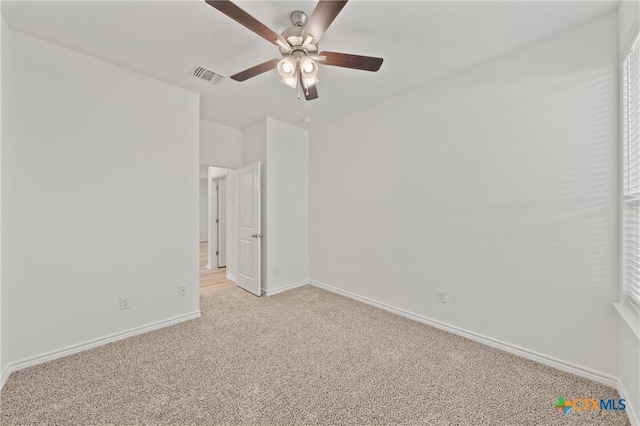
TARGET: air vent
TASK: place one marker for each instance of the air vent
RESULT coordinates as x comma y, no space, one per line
208,75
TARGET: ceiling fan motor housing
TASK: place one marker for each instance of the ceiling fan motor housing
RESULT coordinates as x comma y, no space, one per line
293,35
298,18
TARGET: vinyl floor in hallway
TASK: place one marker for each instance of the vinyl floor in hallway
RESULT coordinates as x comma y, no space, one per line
211,278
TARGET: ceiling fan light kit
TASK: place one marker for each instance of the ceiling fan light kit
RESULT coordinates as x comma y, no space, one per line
298,46
291,66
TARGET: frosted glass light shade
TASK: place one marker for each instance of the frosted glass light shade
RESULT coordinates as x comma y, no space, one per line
291,81
287,67
308,67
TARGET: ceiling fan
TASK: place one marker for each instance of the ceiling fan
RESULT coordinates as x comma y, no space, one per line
298,46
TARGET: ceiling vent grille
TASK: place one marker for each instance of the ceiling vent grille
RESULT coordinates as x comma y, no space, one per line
207,75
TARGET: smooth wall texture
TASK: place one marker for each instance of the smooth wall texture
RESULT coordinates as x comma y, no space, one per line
287,205
203,197
99,196
629,352
498,185
220,145
4,53
628,14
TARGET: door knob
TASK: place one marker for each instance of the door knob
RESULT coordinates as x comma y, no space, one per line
256,235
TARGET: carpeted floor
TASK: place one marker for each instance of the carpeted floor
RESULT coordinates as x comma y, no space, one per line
301,357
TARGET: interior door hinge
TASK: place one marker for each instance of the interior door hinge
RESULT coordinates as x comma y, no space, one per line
216,252
216,220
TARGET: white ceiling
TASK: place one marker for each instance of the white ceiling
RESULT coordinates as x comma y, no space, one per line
419,40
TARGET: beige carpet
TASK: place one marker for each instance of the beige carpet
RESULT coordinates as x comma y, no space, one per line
301,357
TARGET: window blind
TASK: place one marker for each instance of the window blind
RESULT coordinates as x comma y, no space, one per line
631,173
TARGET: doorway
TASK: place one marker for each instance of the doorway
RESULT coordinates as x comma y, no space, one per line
231,253
216,254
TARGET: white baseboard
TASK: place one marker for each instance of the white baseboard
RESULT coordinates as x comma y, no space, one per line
285,288
4,377
80,347
631,413
547,360
231,277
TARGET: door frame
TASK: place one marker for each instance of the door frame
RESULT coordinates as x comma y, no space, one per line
212,231
222,224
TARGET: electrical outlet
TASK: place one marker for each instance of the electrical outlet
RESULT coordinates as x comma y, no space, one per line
182,290
125,303
442,296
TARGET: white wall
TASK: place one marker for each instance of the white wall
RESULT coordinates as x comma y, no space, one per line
287,205
498,185
629,373
220,145
4,44
628,12
283,152
254,148
203,198
99,196
629,349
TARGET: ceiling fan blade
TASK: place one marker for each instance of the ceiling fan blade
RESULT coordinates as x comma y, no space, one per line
242,17
318,58
311,93
257,70
321,17
357,62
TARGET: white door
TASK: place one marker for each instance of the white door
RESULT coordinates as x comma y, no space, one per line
222,223
249,230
